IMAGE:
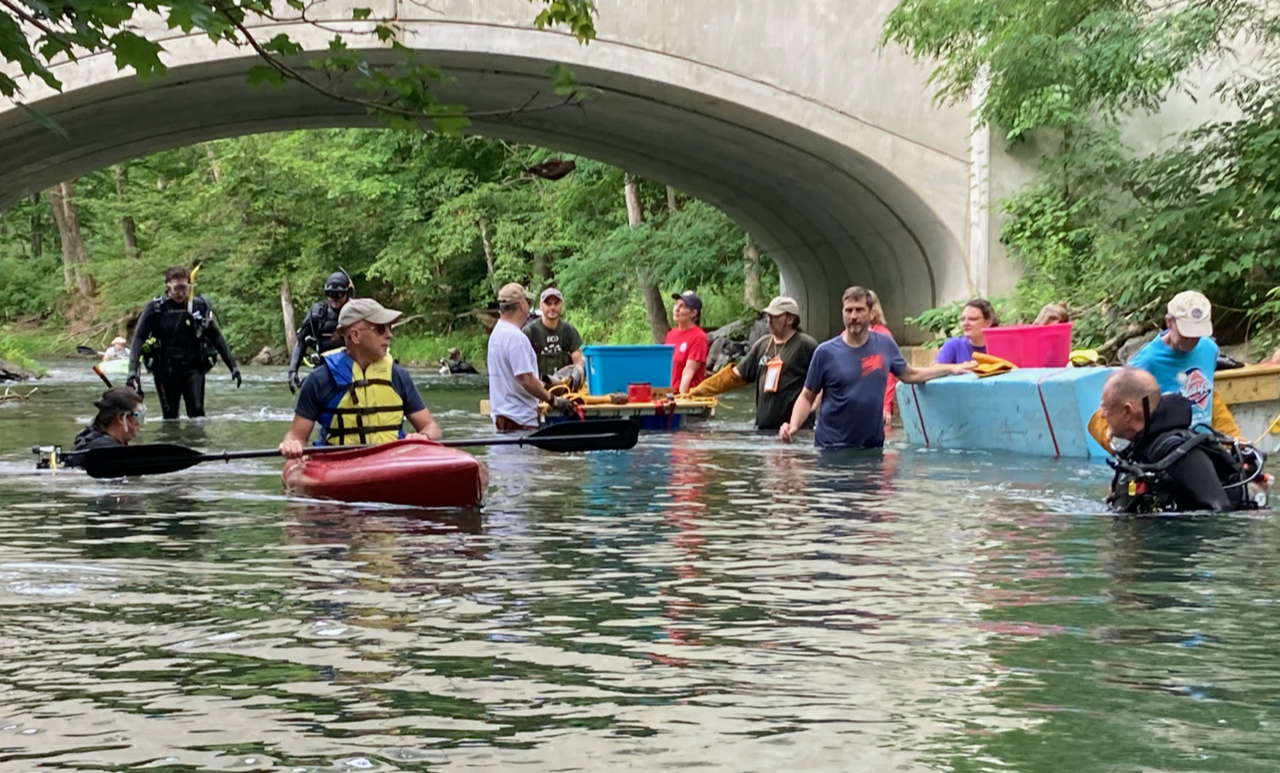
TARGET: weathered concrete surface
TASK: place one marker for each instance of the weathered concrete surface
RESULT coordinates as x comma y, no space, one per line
785,115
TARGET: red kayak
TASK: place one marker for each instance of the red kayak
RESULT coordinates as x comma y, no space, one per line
413,471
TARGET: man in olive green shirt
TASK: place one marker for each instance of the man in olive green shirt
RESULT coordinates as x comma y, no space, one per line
555,342
777,364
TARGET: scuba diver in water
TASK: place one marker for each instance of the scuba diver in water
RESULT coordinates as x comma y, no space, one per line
320,327
120,414
1168,466
455,365
181,342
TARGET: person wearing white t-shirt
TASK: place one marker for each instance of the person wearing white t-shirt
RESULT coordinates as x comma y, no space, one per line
514,387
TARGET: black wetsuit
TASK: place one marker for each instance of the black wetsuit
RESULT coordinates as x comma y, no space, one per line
458,367
92,437
1194,482
186,348
318,329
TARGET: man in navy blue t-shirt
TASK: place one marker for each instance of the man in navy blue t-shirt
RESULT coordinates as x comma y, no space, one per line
850,372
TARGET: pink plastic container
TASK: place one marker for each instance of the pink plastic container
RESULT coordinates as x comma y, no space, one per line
1031,346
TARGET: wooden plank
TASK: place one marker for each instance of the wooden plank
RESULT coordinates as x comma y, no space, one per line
1248,371
918,356
1247,388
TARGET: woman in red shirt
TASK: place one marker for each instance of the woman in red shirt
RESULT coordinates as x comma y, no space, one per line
877,326
689,361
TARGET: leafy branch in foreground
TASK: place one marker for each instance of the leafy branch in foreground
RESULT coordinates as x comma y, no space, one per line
34,33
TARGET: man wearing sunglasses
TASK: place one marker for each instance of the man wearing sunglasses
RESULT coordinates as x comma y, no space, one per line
120,414
181,341
320,327
358,395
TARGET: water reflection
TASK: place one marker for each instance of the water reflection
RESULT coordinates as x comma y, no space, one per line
709,599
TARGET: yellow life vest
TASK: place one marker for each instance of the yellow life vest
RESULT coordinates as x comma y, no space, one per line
367,410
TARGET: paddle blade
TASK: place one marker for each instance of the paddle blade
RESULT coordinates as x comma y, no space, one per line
152,459
593,435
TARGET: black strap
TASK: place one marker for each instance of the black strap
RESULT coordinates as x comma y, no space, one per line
362,431
367,410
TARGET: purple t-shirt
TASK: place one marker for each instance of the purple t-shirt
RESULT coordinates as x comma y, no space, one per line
852,382
957,350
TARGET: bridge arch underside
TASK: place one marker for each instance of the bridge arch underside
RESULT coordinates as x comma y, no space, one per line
827,215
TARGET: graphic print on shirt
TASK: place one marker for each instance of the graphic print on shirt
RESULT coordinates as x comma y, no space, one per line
1193,385
684,347
552,345
872,364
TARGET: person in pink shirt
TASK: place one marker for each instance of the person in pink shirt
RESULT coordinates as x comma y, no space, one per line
878,326
689,361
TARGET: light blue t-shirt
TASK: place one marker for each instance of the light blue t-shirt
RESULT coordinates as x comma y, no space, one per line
1189,374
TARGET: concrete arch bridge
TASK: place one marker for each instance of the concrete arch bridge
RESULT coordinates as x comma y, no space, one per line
785,115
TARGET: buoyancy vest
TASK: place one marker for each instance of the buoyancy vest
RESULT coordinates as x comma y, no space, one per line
366,409
179,333
1143,471
320,325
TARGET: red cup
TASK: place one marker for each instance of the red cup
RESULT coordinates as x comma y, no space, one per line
639,392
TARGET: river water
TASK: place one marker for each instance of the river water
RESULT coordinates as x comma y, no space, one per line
708,601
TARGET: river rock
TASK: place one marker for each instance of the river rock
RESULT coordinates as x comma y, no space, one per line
723,349
1131,347
265,357
11,372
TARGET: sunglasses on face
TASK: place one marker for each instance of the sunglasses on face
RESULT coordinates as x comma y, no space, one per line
335,294
379,329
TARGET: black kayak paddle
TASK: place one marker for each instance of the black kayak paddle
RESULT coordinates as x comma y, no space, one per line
160,458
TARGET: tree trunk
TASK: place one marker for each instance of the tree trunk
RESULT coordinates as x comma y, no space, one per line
751,276
482,225
286,306
214,169
37,227
126,221
673,206
541,275
62,198
654,308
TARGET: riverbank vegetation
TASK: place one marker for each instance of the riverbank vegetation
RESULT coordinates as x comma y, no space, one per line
428,223
1113,225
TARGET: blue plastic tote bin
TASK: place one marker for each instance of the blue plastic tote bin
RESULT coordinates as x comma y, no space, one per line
611,368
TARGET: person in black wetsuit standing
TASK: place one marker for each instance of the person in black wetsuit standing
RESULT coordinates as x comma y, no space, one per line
320,327
185,343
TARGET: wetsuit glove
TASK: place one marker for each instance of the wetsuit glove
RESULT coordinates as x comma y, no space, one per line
561,404
294,382
134,383
235,376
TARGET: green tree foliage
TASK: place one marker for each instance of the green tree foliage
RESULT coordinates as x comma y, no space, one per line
400,211
1110,231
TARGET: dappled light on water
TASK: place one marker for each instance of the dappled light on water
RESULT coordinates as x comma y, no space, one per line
709,599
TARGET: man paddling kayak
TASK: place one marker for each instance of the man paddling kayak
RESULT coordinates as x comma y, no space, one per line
358,395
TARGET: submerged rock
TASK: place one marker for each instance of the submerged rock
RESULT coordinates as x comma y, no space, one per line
11,372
